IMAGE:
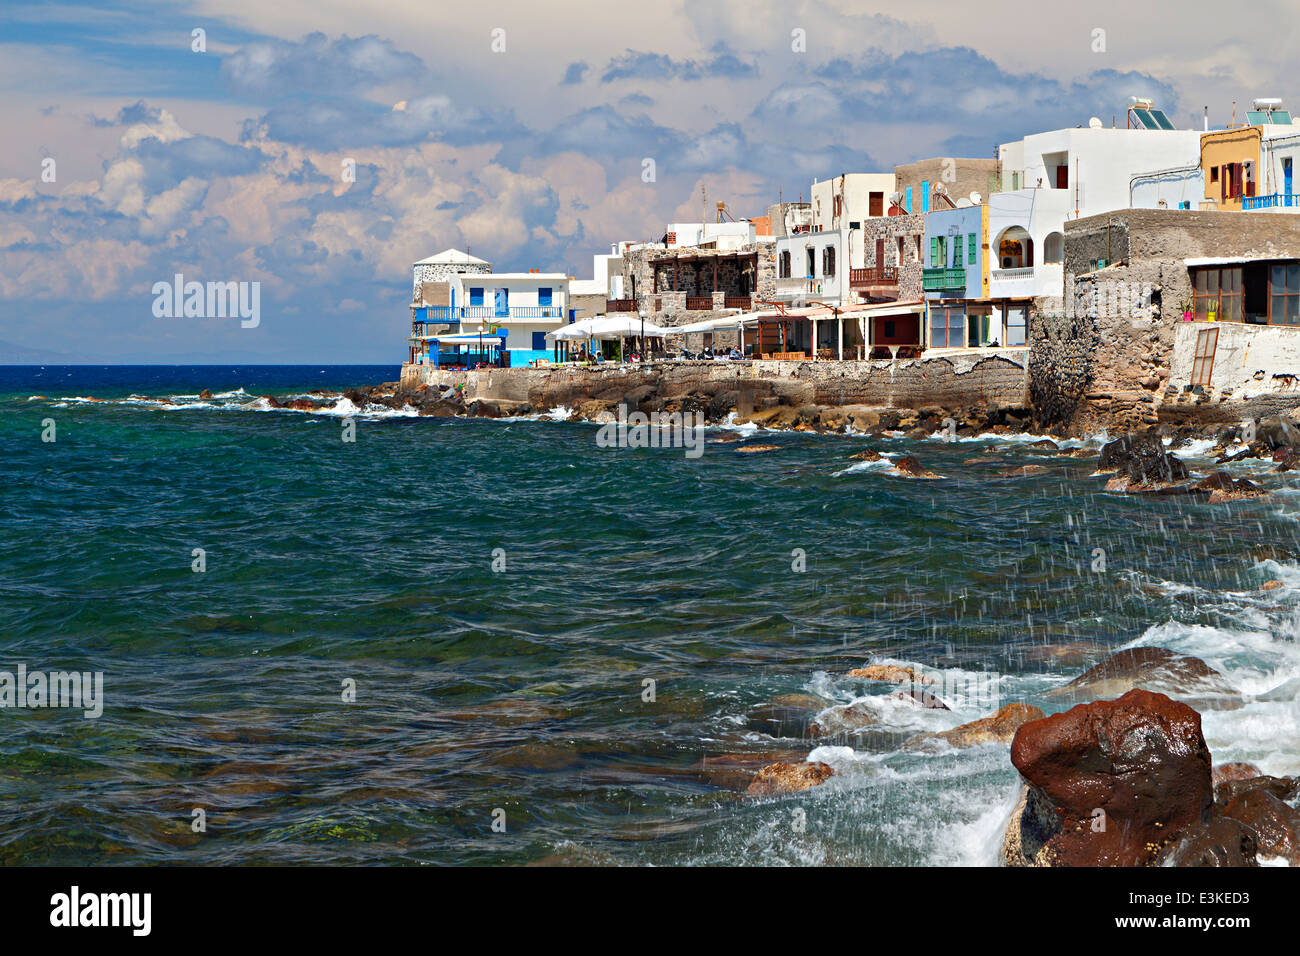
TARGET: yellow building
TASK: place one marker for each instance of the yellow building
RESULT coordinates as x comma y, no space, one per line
1229,166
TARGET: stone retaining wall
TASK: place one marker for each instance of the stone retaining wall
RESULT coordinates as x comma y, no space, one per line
995,378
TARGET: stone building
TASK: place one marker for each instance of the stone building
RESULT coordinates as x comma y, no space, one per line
441,267
1170,315
960,177
679,285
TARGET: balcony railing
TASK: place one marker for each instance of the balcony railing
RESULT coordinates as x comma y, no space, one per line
699,303
874,275
1009,275
1271,201
936,280
745,302
468,313
620,305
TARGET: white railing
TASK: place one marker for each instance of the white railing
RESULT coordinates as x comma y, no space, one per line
1012,274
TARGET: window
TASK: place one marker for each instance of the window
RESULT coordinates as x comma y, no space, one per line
947,326
876,204
934,250
544,295
1214,174
956,252
900,251
891,328
1203,361
812,263
1017,324
475,296
539,341
1284,294
1216,294
971,248
783,265
828,261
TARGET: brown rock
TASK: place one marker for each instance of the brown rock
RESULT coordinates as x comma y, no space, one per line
1045,443
868,455
891,672
205,395
1219,841
1152,668
1223,487
1224,772
1284,788
1137,766
999,728
909,467
754,449
920,696
1275,825
789,778
1271,585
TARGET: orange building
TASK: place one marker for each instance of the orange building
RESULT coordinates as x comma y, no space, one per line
1229,165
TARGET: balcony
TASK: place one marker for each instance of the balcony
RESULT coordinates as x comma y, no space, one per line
941,279
875,275
1271,201
486,313
699,303
620,305
743,302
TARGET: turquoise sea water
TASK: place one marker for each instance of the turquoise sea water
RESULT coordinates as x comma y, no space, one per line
522,689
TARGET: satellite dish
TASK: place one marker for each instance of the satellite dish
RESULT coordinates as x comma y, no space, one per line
1094,123
964,203
895,198
940,189
976,199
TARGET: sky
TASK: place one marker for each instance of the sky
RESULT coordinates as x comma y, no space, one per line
319,148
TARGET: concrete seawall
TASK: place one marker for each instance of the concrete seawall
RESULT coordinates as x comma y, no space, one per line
995,378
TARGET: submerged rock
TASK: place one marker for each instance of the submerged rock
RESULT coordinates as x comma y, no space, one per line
754,449
1150,668
786,716
1271,585
999,728
843,719
920,696
1024,471
867,455
789,778
1122,780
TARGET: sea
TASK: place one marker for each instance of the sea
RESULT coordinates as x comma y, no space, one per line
359,636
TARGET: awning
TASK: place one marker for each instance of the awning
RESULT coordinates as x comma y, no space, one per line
1230,260
462,338
606,326
722,324
885,308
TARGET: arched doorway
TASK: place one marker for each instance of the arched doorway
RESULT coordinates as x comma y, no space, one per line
1054,248
1015,249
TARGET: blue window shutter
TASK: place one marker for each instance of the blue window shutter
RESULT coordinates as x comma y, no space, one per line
539,341
476,296
544,295
909,199
925,196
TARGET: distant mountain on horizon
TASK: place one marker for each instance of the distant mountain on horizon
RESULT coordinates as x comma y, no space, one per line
13,354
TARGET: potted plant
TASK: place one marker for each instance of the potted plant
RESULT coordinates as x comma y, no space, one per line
1186,306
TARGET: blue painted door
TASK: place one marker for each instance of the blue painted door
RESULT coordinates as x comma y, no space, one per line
1286,175
503,303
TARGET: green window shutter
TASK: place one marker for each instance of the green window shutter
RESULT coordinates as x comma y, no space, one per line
956,251
934,251
970,252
